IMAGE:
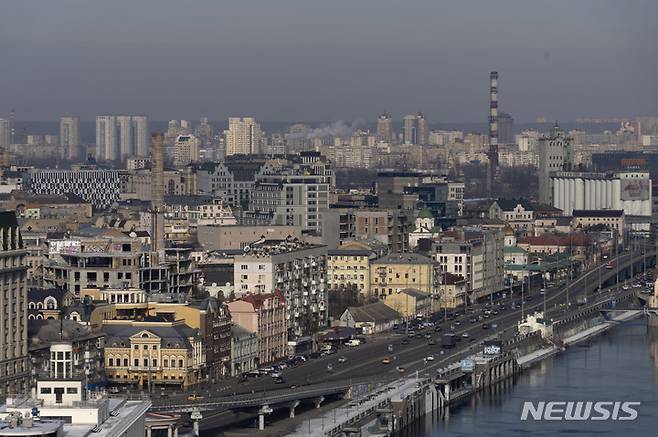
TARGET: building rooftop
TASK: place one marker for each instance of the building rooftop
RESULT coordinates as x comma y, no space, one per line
597,213
374,312
404,258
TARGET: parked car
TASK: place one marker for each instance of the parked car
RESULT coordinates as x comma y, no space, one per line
194,397
386,360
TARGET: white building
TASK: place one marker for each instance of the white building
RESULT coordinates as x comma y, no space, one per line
186,150
69,137
98,187
120,137
243,137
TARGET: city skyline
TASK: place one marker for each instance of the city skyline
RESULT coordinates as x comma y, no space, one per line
313,72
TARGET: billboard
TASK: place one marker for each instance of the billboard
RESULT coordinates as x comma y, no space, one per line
64,246
635,189
467,365
493,347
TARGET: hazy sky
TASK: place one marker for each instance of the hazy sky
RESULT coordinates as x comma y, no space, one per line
287,60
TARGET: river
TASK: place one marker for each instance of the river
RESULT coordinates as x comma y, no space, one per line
620,365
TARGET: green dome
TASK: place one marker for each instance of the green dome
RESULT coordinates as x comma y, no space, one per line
425,213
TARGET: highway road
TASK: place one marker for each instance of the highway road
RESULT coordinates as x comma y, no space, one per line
364,363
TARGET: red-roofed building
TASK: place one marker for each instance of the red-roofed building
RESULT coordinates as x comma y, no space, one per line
264,314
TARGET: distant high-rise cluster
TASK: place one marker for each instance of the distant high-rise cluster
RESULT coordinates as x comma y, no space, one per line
243,137
120,137
5,132
385,128
415,129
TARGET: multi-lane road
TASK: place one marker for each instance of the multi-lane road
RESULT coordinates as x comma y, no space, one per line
364,363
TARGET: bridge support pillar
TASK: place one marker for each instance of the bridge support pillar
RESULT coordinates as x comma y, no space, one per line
265,409
318,401
292,407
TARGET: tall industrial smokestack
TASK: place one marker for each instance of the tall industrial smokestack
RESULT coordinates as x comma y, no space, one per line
493,130
157,194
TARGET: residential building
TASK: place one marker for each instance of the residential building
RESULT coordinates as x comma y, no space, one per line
385,128
474,253
13,302
243,137
505,129
107,146
69,137
264,314
415,129
398,271
244,350
232,179
293,192
186,150
349,268
410,303
5,133
294,268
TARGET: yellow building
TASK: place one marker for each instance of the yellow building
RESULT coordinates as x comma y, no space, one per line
398,271
349,267
152,352
410,303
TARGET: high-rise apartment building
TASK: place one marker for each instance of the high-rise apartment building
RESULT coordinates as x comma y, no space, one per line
415,129
385,128
555,154
186,150
5,132
106,138
69,136
505,128
120,137
243,137
13,307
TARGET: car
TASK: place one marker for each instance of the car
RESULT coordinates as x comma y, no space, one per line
330,368
194,397
465,335
458,323
472,320
542,291
411,334
276,375
430,358
400,369
437,328
342,359
419,335
485,326
405,341
428,335
386,360
279,381
431,342
625,287
495,313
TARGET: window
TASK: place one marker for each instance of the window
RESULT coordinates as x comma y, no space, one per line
180,364
110,362
46,390
136,362
72,390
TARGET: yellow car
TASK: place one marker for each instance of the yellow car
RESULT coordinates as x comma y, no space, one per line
194,397
386,360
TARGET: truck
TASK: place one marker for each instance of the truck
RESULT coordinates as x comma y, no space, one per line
448,341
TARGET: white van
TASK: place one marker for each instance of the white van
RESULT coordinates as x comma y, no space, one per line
353,342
